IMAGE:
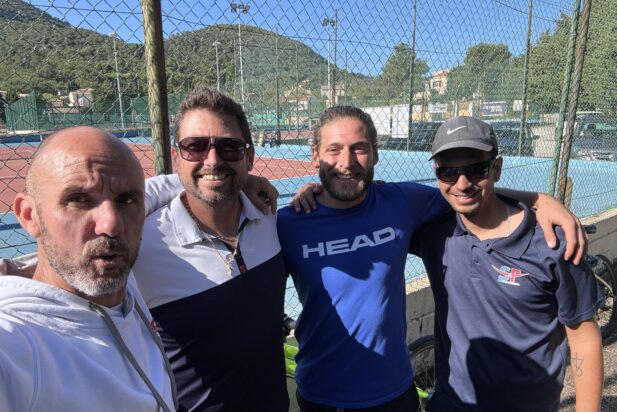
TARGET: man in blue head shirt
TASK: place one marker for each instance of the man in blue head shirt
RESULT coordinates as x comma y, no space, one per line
506,305
347,261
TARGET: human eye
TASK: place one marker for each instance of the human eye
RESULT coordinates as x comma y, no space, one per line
128,199
362,149
77,198
232,145
194,147
333,150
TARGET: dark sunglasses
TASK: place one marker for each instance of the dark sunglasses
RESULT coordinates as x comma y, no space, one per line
195,149
474,172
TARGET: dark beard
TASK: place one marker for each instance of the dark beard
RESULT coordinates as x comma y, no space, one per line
346,194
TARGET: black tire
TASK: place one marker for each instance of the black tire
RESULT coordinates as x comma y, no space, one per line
422,357
607,282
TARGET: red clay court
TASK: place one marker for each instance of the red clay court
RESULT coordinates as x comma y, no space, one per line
15,162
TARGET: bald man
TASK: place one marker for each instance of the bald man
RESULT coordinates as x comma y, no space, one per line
75,334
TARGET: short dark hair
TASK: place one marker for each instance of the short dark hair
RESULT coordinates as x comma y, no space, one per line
214,101
339,112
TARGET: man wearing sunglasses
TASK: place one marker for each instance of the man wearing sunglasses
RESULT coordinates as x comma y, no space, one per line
506,305
347,259
210,267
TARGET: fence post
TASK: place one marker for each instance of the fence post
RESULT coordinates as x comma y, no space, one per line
525,76
412,64
154,54
576,87
565,92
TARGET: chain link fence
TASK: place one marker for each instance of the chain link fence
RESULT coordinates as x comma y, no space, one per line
410,64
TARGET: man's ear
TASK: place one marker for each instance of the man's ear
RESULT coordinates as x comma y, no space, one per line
497,165
174,156
26,213
315,157
249,158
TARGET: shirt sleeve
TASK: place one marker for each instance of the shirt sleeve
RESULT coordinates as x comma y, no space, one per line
578,295
19,372
160,190
426,203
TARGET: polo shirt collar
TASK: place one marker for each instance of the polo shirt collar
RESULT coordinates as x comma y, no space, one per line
187,231
514,245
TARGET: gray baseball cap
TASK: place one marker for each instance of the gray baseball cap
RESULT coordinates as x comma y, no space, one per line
464,132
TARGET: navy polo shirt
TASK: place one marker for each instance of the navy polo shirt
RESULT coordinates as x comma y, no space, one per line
500,310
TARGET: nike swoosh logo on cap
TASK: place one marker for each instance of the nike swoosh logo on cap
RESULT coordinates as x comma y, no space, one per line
450,131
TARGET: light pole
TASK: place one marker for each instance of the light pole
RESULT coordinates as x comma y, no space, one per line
216,45
113,35
240,8
331,72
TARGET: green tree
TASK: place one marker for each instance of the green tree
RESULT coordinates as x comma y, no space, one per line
599,88
395,76
484,66
546,63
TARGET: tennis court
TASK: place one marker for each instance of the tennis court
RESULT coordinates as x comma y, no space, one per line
288,167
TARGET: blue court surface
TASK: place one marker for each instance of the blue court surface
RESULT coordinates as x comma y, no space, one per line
594,190
593,182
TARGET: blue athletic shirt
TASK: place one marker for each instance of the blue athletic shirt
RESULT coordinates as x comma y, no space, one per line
500,310
348,268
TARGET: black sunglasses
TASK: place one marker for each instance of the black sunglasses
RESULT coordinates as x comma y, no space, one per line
474,172
195,149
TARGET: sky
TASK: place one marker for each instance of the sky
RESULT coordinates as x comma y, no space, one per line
367,31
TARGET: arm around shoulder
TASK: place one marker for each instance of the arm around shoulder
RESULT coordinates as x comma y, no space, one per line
160,190
551,212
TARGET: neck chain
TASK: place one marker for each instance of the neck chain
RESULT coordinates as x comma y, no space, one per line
232,241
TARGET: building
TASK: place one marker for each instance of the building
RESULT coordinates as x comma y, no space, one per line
339,92
439,81
304,102
81,97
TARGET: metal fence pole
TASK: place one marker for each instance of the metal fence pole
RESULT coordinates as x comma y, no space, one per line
411,70
565,93
154,55
525,77
278,100
334,65
576,86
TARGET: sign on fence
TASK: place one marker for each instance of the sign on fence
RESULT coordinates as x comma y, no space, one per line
493,109
437,107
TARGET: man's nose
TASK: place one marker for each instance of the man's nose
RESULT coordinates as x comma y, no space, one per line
108,219
345,159
212,157
463,182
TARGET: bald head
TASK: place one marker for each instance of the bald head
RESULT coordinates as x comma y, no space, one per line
85,205
73,143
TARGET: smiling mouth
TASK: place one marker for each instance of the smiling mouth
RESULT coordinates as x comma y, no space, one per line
214,176
467,195
346,177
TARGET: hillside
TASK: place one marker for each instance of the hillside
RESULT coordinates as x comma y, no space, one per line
19,11
51,56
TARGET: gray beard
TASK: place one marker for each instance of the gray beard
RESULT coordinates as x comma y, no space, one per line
87,281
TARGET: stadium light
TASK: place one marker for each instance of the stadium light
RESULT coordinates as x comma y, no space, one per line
113,35
240,8
216,45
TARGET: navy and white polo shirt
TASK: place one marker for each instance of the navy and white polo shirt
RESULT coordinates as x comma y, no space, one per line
500,310
219,314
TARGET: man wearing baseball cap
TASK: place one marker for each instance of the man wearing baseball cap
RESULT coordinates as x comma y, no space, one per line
506,305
